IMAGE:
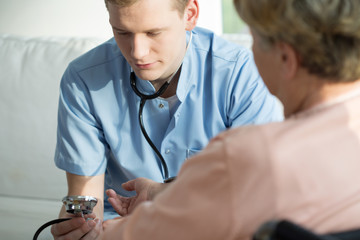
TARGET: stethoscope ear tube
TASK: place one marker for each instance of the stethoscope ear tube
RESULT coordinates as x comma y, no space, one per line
145,96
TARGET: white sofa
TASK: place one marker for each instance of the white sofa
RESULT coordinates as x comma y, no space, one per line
31,187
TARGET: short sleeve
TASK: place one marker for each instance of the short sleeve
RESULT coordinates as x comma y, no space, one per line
249,100
81,147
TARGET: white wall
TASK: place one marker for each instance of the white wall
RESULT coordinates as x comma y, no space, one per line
211,15
82,18
87,18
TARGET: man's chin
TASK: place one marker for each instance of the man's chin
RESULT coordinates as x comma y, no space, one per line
147,75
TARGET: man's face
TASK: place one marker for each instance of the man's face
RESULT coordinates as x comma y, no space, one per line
151,36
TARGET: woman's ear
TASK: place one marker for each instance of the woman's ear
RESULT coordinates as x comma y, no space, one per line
191,14
289,59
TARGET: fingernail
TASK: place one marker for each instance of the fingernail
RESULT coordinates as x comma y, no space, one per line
91,223
80,220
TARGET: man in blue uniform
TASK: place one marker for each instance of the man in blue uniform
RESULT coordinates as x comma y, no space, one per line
213,85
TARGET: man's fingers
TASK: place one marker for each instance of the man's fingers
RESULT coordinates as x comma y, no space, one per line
95,231
91,215
67,226
79,232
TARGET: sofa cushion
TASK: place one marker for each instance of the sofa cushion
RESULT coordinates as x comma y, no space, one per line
30,72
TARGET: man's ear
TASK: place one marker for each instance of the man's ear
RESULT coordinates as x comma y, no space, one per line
191,14
289,59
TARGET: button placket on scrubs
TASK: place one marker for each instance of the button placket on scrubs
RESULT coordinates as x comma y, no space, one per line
171,151
158,122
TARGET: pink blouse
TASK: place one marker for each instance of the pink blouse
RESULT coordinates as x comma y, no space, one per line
306,169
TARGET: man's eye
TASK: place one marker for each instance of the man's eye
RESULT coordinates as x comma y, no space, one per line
122,33
153,34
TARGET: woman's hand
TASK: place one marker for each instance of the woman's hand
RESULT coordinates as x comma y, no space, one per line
145,189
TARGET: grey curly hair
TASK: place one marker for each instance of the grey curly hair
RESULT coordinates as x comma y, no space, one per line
325,33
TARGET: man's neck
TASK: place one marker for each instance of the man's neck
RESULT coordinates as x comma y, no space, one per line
171,90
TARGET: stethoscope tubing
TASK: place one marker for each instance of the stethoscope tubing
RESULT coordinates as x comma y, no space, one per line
143,99
55,221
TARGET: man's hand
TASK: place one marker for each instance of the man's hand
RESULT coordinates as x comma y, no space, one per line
145,189
78,228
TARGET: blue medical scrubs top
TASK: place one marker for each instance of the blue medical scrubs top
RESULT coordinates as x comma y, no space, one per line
98,129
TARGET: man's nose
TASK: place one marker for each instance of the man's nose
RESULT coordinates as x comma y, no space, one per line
140,47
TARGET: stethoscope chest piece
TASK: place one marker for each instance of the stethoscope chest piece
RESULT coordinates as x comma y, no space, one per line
79,205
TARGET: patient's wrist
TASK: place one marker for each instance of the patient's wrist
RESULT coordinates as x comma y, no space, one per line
156,188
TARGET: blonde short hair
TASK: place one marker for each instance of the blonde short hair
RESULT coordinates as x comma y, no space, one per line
325,33
179,5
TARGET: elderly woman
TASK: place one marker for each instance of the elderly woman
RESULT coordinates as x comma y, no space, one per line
306,168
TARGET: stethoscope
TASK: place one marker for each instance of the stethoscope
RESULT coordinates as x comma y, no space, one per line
77,205
143,99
